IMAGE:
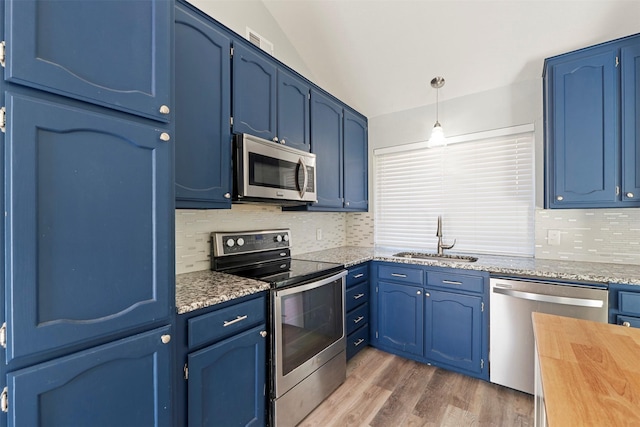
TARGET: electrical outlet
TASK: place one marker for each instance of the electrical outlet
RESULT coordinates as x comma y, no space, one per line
553,237
318,233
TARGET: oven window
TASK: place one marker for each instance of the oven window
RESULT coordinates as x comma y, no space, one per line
311,321
265,171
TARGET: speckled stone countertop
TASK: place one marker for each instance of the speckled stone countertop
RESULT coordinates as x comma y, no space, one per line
202,289
496,265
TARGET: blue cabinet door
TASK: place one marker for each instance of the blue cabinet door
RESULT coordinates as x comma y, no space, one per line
203,112
254,93
293,111
356,190
89,226
226,385
400,313
453,330
326,143
630,59
123,383
582,128
111,53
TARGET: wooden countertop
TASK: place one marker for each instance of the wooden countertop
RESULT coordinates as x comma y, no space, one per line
590,371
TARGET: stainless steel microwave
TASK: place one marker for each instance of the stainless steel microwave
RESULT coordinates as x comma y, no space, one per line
271,172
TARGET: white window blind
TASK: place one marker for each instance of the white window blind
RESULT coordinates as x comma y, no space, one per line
484,190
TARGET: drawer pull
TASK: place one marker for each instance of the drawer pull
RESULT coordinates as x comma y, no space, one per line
451,282
358,296
627,324
357,343
358,320
236,320
357,276
398,275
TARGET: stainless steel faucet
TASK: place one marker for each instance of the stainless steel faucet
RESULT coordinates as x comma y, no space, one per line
442,246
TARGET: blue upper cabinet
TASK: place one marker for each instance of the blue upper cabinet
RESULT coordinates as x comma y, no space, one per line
293,111
122,383
203,112
254,93
630,57
327,144
356,196
89,226
589,94
111,53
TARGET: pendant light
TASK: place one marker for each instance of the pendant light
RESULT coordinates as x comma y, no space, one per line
437,134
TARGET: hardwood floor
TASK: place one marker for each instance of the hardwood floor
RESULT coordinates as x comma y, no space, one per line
383,390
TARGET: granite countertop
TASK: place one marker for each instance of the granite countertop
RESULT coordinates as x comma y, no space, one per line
588,371
202,289
496,265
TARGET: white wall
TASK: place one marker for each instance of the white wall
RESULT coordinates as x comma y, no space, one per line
240,14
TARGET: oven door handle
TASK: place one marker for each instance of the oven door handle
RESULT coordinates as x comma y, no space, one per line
311,285
305,182
531,296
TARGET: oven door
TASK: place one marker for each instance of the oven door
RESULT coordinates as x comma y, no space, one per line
308,329
267,170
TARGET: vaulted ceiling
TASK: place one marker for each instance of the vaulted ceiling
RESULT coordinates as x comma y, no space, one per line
380,55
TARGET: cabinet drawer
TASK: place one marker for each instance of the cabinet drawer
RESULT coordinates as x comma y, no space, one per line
224,322
356,295
455,281
629,302
357,318
634,322
357,341
357,274
401,274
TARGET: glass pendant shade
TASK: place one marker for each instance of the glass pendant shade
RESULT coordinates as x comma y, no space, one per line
437,136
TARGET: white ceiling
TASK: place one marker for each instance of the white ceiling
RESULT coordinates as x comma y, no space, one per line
380,55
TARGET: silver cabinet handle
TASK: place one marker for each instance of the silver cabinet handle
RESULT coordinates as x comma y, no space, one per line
360,318
283,142
579,302
236,320
627,324
165,339
630,195
275,139
418,293
427,294
559,198
451,282
164,109
263,334
357,343
165,137
227,195
398,275
358,296
357,276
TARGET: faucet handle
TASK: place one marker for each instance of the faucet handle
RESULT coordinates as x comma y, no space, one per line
449,246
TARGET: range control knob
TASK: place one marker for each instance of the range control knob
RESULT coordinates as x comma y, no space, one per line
278,238
230,242
240,241
286,237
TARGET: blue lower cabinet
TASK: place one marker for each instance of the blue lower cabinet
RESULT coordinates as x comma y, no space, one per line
400,318
357,341
226,385
453,328
123,383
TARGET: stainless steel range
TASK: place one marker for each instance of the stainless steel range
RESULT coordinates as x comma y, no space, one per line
308,347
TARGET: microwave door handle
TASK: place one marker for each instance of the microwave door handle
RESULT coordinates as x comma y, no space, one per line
303,190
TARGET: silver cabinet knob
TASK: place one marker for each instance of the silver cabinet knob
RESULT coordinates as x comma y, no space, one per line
418,292
164,109
283,142
263,334
427,294
630,195
627,324
559,198
346,203
165,339
275,139
227,195
165,137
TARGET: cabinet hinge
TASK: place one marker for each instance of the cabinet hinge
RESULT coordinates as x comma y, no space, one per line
3,119
617,190
4,400
3,335
617,61
186,371
231,121
3,52
376,334
482,306
231,53
481,363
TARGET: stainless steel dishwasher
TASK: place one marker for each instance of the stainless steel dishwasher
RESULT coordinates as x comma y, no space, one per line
512,301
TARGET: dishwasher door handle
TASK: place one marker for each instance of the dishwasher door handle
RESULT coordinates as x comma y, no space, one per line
531,296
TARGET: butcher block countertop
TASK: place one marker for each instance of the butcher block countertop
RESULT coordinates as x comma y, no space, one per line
590,371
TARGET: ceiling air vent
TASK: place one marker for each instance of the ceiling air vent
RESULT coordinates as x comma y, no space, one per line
259,41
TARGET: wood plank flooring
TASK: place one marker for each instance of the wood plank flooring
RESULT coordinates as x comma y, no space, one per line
383,390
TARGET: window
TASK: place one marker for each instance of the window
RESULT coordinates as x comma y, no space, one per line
483,188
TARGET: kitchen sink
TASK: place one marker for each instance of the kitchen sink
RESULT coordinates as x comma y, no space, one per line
436,257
